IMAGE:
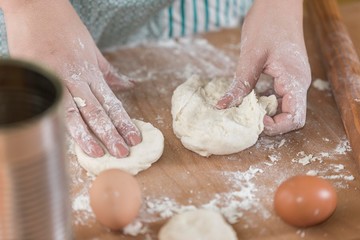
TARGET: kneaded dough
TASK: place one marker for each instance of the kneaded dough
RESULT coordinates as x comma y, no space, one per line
140,158
206,130
199,224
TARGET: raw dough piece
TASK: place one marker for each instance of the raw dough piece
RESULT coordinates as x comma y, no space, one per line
269,103
79,102
140,158
206,130
199,224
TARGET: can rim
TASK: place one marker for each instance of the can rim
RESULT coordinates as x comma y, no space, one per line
46,73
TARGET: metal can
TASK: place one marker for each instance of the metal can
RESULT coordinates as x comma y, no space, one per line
34,192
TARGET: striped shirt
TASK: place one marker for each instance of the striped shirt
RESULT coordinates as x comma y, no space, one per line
188,17
116,22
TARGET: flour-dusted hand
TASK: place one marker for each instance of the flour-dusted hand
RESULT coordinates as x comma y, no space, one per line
50,32
272,42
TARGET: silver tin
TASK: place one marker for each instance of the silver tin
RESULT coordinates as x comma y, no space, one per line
34,195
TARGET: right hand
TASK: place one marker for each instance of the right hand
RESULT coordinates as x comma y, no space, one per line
49,32
272,42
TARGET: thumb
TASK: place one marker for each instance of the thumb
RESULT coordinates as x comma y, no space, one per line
115,80
247,73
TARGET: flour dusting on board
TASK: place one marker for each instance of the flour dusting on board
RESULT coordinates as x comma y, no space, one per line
198,56
231,204
245,193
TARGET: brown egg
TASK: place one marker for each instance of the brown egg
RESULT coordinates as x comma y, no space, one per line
304,201
115,198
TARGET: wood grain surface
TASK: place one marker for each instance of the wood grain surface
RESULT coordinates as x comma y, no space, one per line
342,65
241,185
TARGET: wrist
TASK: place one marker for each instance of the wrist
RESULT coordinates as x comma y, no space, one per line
39,21
287,7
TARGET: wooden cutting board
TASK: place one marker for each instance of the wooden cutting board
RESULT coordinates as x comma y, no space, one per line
240,185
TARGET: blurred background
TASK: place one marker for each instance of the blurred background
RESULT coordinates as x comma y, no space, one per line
345,1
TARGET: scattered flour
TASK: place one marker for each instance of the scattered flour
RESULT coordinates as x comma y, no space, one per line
321,85
301,233
343,147
135,229
282,142
81,203
304,159
274,158
333,172
81,207
231,204
80,183
272,143
159,119
197,57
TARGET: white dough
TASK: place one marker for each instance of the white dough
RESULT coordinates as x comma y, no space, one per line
140,158
269,103
206,130
79,102
199,224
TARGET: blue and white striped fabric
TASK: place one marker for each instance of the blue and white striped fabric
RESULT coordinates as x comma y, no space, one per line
188,17
117,22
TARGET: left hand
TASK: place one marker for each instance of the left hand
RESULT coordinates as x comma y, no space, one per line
51,33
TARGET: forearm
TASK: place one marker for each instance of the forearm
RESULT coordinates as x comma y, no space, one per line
42,21
280,19
284,11
36,9
14,6
286,4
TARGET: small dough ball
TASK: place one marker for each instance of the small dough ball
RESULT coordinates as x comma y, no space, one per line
140,158
115,198
199,224
269,103
304,201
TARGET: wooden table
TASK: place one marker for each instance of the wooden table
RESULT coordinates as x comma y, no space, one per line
240,185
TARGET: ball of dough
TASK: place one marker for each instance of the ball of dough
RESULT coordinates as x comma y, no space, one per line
140,158
207,130
199,224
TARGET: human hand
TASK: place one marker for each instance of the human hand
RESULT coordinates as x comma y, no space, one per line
272,42
50,32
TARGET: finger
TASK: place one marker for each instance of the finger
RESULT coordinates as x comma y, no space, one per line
117,81
291,83
98,121
78,130
247,73
292,117
117,113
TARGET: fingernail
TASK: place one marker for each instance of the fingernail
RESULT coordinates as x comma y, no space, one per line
268,121
119,150
222,103
134,139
